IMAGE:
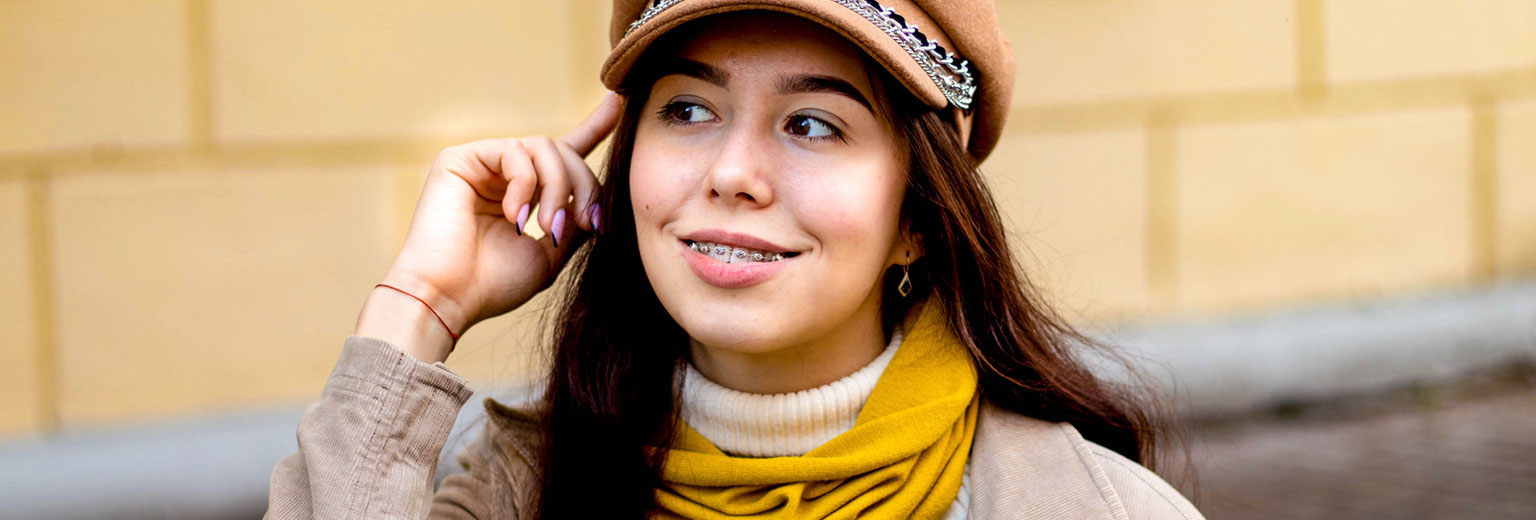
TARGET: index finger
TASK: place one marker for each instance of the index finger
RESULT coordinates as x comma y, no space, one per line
590,131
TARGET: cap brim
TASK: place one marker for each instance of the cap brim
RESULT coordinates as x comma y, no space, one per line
835,17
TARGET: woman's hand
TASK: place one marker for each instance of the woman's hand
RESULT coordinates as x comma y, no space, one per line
466,254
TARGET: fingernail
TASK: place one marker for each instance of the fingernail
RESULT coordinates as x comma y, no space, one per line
558,226
597,217
522,219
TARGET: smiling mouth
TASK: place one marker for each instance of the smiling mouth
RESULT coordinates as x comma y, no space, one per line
730,254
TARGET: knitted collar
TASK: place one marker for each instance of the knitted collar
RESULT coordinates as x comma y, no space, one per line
779,425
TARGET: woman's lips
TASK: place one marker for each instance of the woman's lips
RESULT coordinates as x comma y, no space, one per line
729,276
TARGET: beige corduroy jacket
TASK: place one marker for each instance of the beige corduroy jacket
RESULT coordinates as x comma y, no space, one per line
369,450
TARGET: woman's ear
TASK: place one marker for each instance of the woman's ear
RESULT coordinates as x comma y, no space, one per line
909,245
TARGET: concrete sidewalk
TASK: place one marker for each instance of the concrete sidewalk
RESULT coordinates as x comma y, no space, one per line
1431,457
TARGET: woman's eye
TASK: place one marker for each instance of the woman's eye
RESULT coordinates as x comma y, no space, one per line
811,128
686,113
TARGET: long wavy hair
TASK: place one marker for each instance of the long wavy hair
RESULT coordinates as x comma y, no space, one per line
612,394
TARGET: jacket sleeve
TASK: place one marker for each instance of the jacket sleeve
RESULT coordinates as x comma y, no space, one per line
369,447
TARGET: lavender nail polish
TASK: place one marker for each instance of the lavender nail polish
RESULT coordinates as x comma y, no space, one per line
597,218
522,219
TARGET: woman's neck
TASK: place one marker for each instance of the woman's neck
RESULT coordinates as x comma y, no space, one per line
831,356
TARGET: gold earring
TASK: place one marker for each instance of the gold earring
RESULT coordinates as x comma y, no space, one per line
905,287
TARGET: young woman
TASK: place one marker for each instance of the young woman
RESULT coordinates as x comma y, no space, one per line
790,296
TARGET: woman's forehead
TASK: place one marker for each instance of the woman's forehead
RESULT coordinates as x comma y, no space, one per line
774,44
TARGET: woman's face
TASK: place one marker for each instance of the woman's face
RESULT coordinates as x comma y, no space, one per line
760,138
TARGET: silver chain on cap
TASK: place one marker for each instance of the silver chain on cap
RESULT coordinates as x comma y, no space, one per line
948,70
651,10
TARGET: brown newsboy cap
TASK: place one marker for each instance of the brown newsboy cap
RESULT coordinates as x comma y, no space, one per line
950,53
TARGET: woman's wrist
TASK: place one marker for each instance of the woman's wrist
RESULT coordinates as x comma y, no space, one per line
394,314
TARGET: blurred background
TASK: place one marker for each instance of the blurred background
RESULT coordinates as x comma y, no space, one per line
1313,221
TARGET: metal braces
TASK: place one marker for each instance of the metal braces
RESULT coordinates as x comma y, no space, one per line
948,70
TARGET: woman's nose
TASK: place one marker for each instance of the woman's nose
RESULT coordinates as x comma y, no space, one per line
740,174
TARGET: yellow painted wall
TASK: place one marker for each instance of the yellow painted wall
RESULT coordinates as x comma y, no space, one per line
197,195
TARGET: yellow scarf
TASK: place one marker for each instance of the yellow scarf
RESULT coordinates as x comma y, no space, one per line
904,457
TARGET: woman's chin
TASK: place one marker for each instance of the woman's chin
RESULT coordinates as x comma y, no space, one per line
746,333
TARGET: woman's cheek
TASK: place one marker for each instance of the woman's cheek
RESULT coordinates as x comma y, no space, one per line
648,189
845,208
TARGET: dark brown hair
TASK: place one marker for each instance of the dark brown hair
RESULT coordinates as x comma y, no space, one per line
612,393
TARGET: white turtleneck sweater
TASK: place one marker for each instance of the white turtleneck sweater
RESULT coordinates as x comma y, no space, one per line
792,424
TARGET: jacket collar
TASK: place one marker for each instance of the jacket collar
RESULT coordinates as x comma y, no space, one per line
1022,467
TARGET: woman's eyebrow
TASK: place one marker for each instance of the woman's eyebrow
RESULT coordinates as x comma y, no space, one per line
694,69
796,84
806,83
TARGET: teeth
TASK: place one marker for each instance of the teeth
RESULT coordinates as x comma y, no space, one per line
733,255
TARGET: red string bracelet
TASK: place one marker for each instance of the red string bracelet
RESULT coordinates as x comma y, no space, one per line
429,308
